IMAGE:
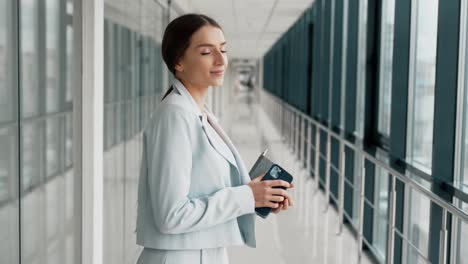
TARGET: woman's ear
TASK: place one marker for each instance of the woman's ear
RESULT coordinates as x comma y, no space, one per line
179,67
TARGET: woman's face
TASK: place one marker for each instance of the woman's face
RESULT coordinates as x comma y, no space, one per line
205,60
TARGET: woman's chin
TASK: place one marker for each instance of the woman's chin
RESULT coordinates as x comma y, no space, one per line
217,82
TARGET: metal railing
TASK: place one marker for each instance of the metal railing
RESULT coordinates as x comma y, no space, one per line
293,123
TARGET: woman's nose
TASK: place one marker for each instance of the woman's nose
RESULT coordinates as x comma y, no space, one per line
219,58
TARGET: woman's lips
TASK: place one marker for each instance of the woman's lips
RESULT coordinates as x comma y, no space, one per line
217,73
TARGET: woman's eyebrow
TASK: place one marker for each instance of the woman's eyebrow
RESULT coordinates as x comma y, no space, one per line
209,45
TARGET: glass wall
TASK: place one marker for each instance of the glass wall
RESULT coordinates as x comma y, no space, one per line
421,85
49,189
416,227
134,80
463,178
406,43
461,230
357,172
380,213
361,68
343,62
9,144
462,239
385,67
423,50
360,94
36,134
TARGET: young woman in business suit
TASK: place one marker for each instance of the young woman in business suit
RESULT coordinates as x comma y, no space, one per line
195,196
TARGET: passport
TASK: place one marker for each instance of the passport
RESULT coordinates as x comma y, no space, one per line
263,165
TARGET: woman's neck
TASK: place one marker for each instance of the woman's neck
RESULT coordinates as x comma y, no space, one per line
198,93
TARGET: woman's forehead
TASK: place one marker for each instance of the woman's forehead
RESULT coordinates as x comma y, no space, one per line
208,36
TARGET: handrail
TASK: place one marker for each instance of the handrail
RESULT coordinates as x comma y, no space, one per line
292,122
435,198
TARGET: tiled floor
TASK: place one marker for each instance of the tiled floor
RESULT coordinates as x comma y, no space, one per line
306,233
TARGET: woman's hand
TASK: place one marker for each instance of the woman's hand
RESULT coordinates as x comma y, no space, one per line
267,196
285,204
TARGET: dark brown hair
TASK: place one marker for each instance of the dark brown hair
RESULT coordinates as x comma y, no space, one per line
177,36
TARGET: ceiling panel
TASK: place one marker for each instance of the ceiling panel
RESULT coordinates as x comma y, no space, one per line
250,26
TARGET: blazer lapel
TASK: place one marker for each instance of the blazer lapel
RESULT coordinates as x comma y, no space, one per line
244,175
214,141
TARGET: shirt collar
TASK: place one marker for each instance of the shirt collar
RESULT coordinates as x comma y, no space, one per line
180,87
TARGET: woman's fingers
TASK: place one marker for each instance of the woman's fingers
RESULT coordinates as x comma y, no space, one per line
279,192
278,209
273,205
276,198
286,204
267,196
275,183
259,177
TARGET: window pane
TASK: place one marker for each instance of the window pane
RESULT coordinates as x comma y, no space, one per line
69,66
462,243
33,210
118,123
30,84
380,210
8,144
386,60
32,142
9,205
464,177
109,131
52,55
52,146
422,82
462,228
68,140
7,70
357,173
417,226
344,63
361,69
9,211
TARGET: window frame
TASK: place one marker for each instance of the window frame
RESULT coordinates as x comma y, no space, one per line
445,107
460,123
462,108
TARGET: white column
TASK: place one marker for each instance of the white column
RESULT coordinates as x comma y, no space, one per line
91,110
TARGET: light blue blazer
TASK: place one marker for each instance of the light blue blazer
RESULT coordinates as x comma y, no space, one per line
192,192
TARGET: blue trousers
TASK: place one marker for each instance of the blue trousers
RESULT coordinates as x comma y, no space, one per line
198,256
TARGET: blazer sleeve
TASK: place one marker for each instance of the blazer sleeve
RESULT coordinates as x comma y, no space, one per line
169,176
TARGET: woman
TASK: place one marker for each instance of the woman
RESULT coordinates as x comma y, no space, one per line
195,196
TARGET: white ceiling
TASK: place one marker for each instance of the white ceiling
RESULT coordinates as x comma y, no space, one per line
250,26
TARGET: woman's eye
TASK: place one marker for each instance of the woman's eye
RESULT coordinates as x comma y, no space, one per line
208,52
